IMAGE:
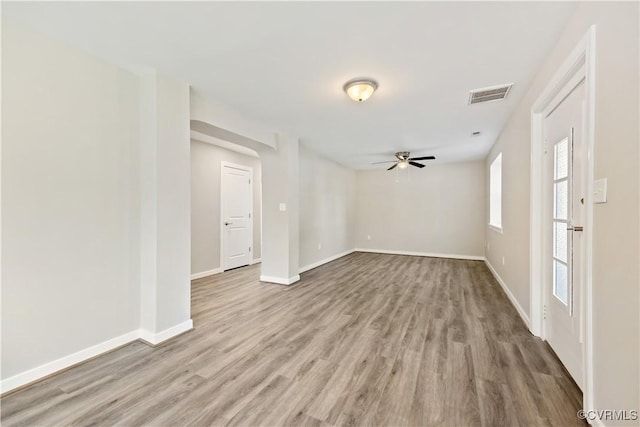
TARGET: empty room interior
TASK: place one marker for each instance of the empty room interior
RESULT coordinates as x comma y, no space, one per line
320,213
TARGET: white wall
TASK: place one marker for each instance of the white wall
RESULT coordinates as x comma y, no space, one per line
70,204
616,250
165,235
280,228
440,210
95,206
205,203
173,282
327,208
279,185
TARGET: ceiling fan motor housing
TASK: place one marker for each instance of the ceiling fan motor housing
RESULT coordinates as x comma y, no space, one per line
403,155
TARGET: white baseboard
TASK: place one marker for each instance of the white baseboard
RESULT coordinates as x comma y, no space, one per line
426,254
65,362
280,280
157,338
206,273
50,368
324,261
506,290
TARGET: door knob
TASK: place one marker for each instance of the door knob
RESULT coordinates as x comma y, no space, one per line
575,228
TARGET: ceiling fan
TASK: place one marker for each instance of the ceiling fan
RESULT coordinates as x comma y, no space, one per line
403,160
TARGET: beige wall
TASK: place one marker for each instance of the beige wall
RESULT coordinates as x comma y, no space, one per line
327,207
440,210
205,203
616,249
70,201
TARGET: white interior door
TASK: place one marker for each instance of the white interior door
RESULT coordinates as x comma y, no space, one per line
236,206
564,247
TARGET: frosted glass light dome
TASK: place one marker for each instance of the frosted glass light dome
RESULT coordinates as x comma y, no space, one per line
360,90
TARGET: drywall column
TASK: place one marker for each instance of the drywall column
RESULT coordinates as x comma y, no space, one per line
280,211
165,208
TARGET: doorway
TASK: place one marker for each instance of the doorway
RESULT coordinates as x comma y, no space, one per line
563,226
236,207
562,156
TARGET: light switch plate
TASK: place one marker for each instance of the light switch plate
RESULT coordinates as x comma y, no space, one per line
600,190
283,207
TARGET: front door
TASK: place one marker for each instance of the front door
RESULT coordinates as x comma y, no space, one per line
236,216
564,159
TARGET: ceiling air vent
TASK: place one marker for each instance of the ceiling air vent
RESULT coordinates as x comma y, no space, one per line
494,93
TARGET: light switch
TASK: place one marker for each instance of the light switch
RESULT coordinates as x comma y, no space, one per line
600,190
283,207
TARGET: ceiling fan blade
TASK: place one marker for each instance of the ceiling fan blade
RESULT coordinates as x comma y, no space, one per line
419,165
392,167
390,161
423,158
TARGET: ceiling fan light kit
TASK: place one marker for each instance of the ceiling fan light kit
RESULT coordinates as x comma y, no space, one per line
360,89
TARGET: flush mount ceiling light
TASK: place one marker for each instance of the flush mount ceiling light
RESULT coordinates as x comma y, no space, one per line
360,89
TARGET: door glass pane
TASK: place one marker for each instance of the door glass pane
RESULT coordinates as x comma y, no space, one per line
561,159
561,216
561,199
560,241
560,288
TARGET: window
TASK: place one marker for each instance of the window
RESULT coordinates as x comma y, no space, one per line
495,193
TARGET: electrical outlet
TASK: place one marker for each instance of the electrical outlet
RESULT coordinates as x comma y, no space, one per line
502,259
319,246
368,236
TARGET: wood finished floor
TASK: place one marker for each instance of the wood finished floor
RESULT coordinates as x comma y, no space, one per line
367,340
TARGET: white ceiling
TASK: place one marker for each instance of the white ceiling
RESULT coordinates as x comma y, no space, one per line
285,63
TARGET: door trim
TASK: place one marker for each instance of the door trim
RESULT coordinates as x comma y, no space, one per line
249,169
580,61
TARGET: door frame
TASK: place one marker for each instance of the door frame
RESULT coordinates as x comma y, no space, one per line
579,64
249,169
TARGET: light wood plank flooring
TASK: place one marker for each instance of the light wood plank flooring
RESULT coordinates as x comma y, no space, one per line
367,340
